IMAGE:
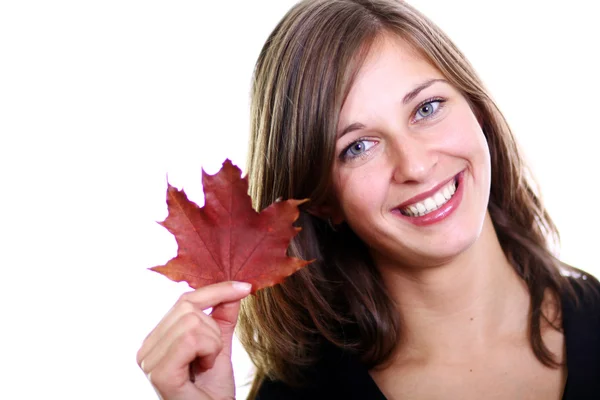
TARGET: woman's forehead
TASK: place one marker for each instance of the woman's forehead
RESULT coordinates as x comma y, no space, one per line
391,69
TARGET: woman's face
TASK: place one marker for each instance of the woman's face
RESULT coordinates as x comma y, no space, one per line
412,168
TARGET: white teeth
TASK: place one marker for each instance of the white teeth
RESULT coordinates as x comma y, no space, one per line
446,193
431,203
439,199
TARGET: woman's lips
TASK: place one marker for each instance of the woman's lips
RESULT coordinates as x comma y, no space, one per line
436,215
426,194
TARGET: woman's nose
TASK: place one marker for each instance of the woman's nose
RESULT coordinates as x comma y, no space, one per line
412,161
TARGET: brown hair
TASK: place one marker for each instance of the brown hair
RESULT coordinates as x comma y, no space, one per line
302,76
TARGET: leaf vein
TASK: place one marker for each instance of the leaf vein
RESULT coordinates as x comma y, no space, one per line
250,255
197,232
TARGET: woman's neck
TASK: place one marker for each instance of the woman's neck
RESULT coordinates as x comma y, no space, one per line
458,310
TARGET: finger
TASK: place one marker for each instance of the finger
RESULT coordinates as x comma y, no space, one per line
223,292
191,322
202,298
179,310
171,374
226,315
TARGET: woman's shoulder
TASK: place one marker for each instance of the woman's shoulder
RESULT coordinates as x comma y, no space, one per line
338,375
581,307
581,295
318,387
581,327
274,389
315,383
318,381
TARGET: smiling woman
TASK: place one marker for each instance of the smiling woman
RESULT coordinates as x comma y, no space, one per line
433,276
420,136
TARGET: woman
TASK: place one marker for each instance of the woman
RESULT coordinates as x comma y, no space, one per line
434,277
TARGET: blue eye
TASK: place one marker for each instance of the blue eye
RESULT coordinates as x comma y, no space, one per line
427,109
357,148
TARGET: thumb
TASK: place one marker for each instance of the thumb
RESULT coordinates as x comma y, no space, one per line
226,316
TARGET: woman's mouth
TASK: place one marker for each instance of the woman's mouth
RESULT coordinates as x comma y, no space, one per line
432,203
430,208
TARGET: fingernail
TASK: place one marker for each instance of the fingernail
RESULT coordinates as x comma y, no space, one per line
242,286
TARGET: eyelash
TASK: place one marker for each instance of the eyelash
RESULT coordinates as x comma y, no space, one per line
343,154
440,100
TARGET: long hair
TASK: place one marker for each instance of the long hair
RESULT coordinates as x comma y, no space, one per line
301,79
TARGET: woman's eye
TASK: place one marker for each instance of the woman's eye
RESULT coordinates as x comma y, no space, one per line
357,148
427,109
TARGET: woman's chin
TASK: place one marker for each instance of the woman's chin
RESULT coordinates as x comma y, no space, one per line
432,253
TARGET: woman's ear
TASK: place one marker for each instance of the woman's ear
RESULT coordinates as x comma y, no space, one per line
327,213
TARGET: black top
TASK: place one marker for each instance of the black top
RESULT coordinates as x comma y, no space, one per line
341,376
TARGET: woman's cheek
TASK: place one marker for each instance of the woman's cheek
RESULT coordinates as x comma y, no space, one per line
462,136
361,192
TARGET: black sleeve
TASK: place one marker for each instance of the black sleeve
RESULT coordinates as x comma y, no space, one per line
270,390
581,323
275,390
337,376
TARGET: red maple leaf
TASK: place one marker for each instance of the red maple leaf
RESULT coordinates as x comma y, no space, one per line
227,239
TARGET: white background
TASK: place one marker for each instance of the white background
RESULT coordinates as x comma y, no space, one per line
100,100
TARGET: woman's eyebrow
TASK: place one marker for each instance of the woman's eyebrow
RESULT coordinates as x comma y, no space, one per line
408,97
352,127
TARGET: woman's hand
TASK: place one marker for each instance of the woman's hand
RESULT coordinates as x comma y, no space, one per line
188,355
